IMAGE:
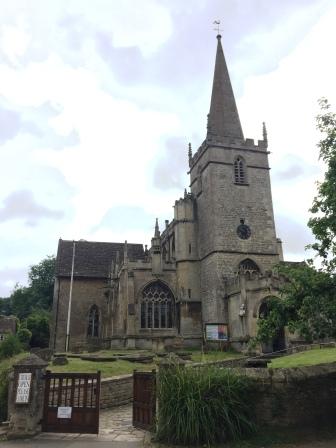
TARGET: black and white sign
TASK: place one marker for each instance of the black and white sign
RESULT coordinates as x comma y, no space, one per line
23,388
64,412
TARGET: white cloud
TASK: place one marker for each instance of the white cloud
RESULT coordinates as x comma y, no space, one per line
287,99
59,85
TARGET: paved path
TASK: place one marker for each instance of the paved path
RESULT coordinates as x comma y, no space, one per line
115,431
116,423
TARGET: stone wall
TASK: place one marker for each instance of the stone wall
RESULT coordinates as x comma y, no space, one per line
116,391
302,396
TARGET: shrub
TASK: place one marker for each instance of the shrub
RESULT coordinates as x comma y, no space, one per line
38,324
3,394
10,346
203,406
24,335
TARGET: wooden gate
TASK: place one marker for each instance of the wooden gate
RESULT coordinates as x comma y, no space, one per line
144,399
71,402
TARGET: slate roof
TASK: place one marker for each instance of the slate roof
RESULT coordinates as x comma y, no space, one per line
92,259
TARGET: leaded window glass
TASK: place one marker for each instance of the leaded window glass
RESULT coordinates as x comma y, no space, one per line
93,326
157,306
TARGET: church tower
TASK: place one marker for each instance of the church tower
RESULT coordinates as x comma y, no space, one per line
230,180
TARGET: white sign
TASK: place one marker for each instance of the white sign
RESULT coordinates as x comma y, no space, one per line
23,388
64,412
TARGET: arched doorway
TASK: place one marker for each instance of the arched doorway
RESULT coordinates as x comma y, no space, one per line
278,342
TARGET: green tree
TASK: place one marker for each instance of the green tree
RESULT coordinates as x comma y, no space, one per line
5,306
308,296
38,295
24,335
10,346
38,324
323,222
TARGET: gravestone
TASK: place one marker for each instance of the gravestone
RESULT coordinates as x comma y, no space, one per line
25,397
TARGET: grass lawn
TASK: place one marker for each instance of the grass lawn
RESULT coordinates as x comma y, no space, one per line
8,362
121,367
107,368
307,358
214,355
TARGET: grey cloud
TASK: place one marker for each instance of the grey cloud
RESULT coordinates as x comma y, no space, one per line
294,167
10,122
127,63
169,170
22,205
295,236
122,217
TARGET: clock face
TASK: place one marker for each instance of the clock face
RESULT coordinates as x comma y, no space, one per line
243,231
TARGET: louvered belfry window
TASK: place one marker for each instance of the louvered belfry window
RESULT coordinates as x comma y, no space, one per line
248,265
239,171
157,306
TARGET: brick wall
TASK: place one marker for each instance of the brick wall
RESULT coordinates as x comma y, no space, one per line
116,391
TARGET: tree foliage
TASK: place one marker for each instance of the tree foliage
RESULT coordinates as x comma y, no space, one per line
38,324
10,346
307,305
308,296
323,222
38,295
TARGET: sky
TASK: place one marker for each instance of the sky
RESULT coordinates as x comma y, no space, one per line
99,99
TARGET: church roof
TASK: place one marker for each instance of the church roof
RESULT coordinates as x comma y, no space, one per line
223,119
92,259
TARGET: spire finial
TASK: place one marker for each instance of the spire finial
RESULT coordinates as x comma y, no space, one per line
185,193
157,230
265,133
217,23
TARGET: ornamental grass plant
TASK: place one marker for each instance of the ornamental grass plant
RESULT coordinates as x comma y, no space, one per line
203,406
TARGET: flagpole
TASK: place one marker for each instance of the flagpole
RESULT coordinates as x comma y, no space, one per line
67,338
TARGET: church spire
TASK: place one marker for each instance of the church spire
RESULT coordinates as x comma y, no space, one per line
223,118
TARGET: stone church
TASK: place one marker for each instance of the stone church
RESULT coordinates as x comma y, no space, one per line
208,271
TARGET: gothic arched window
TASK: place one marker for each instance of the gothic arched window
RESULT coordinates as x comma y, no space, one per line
157,306
249,266
239,171
93,326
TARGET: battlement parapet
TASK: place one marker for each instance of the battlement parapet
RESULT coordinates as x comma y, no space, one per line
228,143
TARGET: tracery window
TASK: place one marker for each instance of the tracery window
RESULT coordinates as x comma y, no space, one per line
93,326
157,306
248,265
240,171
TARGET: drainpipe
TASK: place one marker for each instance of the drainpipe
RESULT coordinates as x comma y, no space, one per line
67,338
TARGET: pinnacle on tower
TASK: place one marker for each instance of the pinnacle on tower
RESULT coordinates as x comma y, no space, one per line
189,153
157,230
265,133
223,118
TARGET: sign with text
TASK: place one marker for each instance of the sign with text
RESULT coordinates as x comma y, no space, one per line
23,388
216,332
64,412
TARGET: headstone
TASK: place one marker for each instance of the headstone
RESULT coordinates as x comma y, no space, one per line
60,361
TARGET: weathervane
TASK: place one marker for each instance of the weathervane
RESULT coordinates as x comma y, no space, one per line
217,23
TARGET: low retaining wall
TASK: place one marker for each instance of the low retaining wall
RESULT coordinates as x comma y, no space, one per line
116,391
304,396
229,363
